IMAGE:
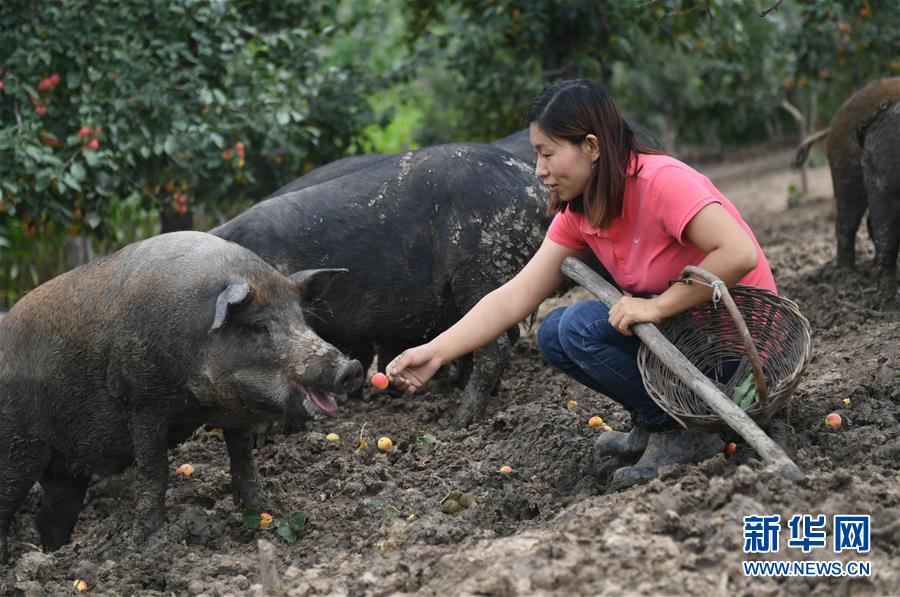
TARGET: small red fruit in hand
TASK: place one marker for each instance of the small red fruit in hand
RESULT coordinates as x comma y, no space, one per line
380,381
730,448
833,420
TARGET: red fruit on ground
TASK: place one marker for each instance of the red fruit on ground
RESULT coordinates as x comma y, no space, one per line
84,131
833,420
730,448
380,380
506,469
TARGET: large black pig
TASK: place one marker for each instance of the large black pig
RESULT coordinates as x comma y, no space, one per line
881,174
518,144
118,360
425,234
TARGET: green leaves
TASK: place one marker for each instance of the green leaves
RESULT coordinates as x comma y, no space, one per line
164,88
746,393
288,528
291,527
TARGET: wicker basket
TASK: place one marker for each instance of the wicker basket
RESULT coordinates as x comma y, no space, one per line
710,338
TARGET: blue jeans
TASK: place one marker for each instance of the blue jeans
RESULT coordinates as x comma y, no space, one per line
579,341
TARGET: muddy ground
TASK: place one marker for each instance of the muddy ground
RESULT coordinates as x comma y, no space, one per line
376,526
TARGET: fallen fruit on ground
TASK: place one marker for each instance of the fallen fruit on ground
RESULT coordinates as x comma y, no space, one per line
595,421
833,420
380,381
506,469
607,427
571,404
332,437
185,469
80,586
385,444
846,401
730,448
265,519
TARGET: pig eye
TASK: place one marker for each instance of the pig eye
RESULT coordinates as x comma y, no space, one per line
258,328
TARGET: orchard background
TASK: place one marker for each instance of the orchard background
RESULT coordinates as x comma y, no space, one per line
122,120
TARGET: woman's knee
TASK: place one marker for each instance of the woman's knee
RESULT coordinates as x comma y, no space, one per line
585,324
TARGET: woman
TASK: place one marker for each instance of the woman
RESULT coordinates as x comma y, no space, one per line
645,215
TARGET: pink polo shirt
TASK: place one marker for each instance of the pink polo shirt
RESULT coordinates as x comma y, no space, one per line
646,247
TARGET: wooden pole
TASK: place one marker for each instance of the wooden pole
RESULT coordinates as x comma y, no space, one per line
650,335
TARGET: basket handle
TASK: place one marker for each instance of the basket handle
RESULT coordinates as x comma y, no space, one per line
749,346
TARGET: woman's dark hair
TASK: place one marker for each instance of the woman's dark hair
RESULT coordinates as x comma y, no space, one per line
571,110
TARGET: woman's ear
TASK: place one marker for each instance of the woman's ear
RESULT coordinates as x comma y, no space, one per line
591,147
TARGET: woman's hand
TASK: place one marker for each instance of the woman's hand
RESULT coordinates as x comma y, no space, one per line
630,310
413,367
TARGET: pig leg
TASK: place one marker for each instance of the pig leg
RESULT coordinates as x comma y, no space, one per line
21,463
239,441
851,205
150,437
489,362
63,496
885,210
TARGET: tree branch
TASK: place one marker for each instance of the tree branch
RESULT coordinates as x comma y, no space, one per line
772,8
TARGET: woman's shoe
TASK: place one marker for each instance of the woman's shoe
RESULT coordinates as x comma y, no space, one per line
617,443
664,448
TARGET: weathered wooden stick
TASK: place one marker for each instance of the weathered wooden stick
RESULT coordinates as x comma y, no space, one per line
650,335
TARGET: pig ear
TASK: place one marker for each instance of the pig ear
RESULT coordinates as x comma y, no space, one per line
235,294
314,282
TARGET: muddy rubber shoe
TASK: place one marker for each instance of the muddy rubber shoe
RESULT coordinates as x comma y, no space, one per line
614,443
665,448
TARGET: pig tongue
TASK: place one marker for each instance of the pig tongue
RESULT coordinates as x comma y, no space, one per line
324,400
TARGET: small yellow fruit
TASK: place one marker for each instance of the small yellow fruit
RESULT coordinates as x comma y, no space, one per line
80,586
265,519
595,421
571,404
506,469
333,437
847,401
185,469
385,444
607,428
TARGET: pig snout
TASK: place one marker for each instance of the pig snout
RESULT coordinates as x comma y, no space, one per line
349,377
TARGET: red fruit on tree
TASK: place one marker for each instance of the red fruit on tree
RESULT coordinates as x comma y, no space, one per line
84,131
41,110
2,85
54,79
730,448
239,149
227,155
93,145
